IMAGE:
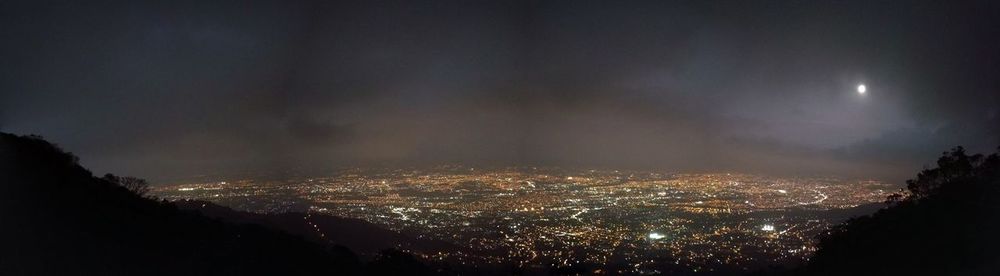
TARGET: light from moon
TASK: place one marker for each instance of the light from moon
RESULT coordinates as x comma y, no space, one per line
862,89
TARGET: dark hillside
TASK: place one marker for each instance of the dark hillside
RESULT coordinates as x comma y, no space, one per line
362,237
58,219
947,224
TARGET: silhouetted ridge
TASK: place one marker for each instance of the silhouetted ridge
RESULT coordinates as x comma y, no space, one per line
948,224
58,219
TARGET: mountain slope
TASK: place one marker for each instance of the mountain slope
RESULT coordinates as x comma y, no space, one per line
360,236
948,225
59,219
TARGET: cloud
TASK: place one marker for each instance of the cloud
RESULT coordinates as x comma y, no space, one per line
192,88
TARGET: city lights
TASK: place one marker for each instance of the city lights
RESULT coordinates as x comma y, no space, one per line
557,217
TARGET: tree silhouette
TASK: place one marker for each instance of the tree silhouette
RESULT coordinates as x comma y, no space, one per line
136,185
955,167
948,224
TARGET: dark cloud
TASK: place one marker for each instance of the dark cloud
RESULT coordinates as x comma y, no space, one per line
170,90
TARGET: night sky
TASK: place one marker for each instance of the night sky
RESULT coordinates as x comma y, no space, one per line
165,91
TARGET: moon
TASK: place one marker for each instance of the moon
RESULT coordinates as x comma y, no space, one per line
862,89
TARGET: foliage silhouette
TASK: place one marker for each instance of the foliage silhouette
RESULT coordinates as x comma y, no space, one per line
948,224
136,185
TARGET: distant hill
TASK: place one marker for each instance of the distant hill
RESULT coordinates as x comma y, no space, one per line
56,218
360,236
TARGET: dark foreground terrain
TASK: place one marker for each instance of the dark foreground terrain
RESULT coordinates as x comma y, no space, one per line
59,219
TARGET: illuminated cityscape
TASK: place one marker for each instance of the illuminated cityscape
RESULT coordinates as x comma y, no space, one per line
611,221
499,137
